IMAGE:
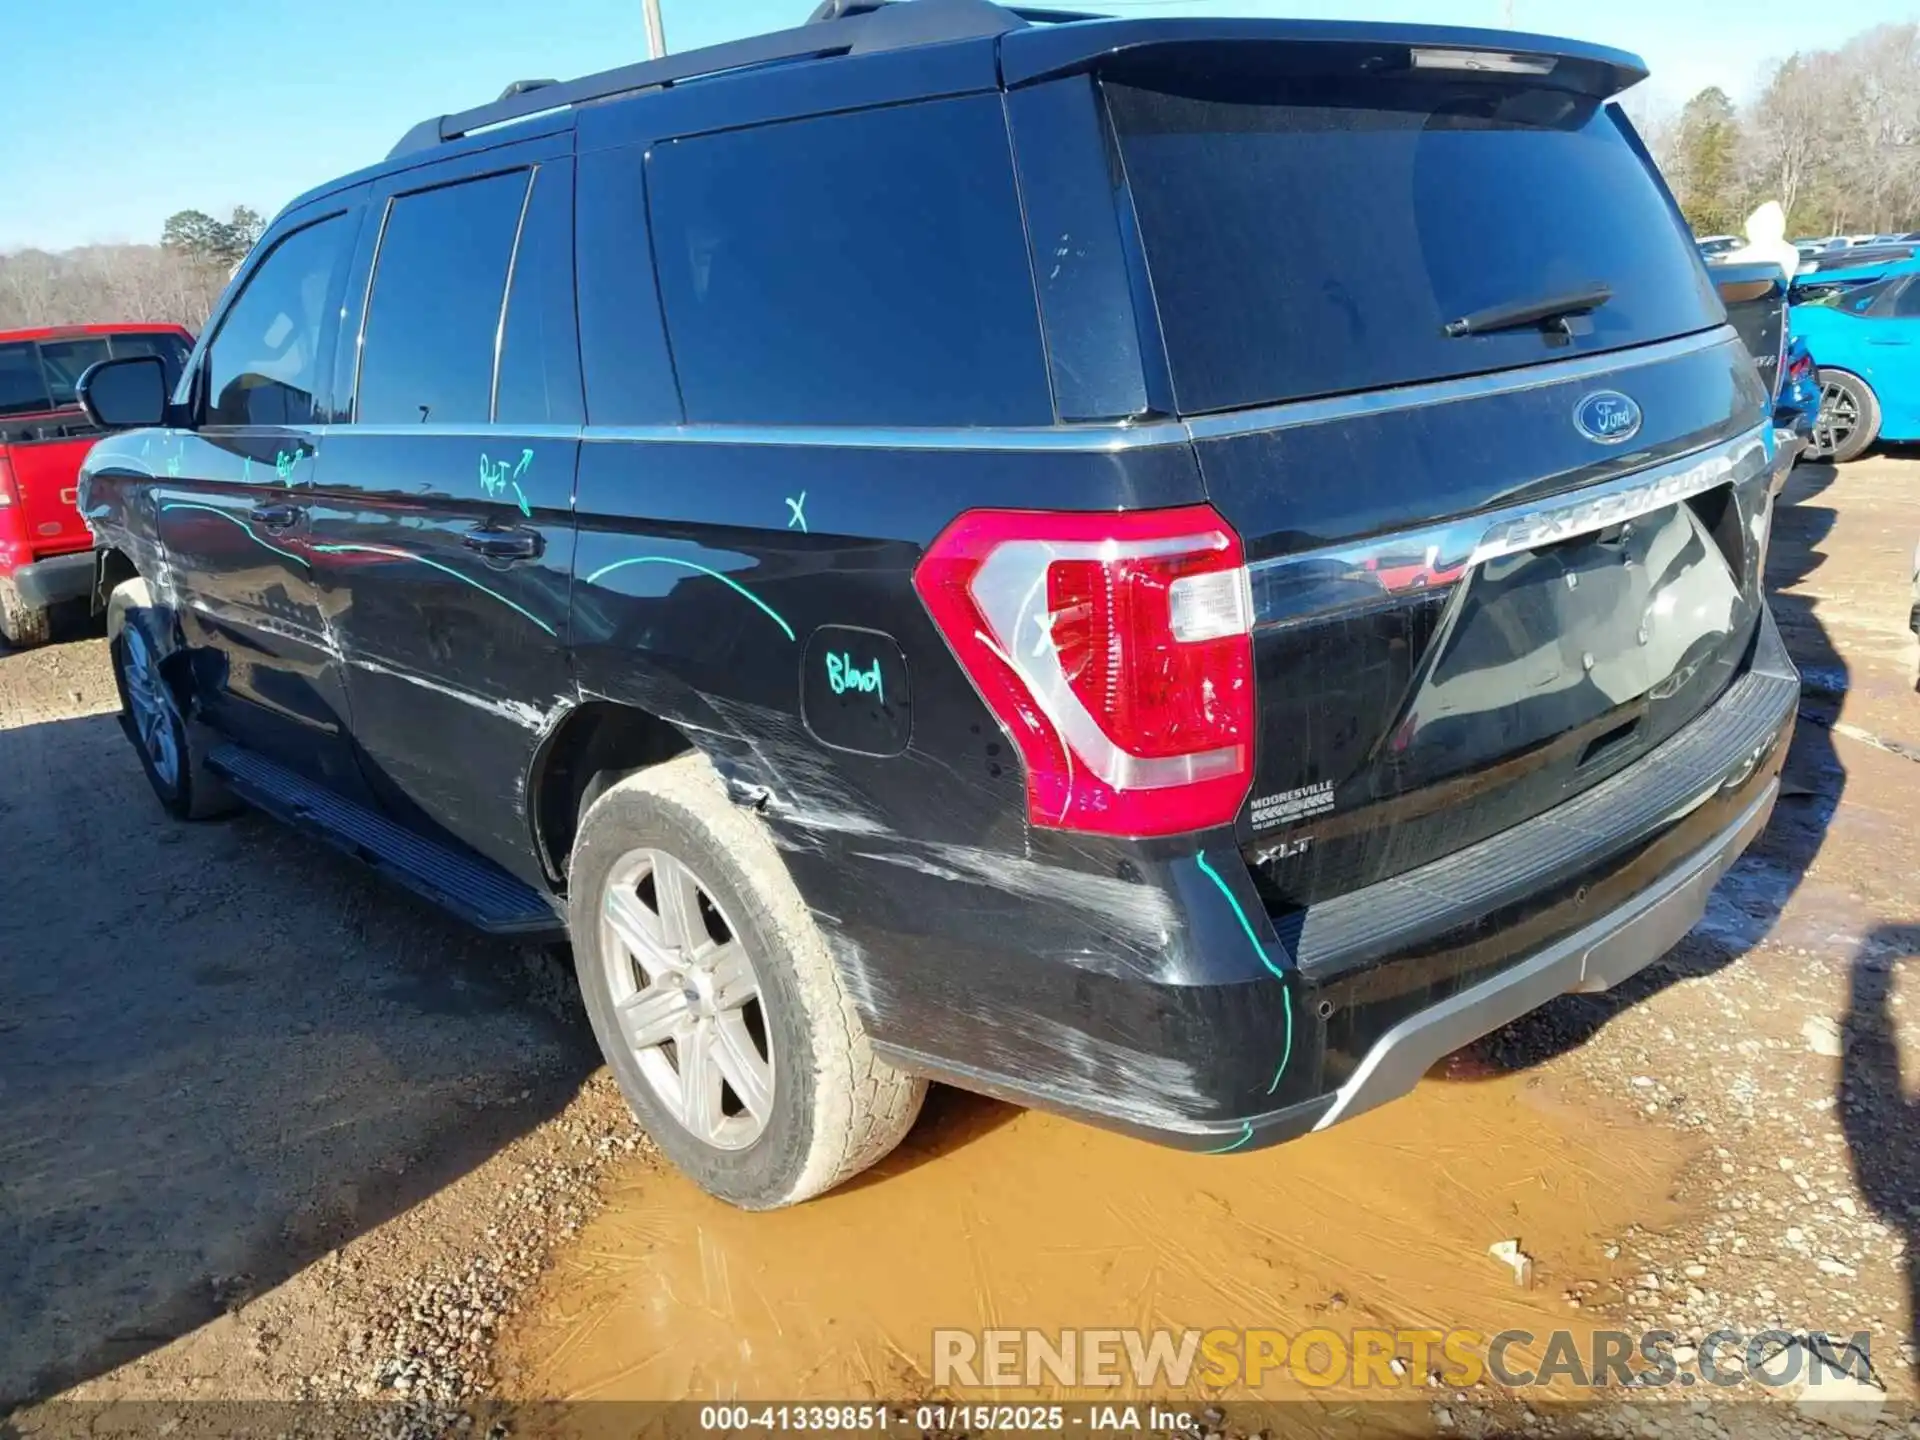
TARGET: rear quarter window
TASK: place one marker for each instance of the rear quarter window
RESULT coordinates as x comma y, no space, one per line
23,389
859,269
1314,237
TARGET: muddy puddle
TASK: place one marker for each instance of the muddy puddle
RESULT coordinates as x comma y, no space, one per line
994,1217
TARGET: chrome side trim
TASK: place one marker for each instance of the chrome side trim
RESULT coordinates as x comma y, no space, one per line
1101,439
1291,413
1355,575
476,429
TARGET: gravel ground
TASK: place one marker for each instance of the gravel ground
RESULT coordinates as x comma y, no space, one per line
236,1075
1773,1035
309,1140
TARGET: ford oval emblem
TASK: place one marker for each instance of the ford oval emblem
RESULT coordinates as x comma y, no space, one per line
1607,416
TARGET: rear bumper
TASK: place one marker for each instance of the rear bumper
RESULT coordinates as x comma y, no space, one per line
1143,987
1788,442
1613,948
1788,446
57,579
1598,957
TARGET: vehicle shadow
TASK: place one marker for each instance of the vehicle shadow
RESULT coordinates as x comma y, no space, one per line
1749,900
1878,1114
224,1051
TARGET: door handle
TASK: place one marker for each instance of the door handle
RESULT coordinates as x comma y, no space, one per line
277,516
512,543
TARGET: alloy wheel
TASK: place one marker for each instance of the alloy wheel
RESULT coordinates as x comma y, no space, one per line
150,705
1839,416
686,998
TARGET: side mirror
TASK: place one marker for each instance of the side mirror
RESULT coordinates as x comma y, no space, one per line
125,394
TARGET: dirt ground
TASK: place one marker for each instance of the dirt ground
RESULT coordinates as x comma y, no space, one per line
271,1130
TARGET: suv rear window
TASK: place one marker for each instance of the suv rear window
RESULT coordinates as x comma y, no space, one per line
1311,235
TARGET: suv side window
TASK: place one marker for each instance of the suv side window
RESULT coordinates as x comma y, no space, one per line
262,365
867,268
433,320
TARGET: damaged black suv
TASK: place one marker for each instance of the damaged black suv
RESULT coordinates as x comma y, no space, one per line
1174,570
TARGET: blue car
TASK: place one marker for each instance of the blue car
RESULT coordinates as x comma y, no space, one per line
1865,342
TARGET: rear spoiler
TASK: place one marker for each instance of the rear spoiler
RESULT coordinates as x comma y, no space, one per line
1042,52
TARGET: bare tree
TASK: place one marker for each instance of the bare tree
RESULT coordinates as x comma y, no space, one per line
107,283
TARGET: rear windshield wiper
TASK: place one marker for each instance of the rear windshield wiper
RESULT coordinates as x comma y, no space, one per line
1542,312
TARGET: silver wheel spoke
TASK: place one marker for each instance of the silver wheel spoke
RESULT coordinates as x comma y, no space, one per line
677,896
737,1058
638,929
699,1080
733,982
652,1016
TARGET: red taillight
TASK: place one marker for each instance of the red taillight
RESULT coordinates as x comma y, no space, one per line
1800,367
1116,651
13,525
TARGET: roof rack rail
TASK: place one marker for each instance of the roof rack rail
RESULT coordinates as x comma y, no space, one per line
1033,14
840,27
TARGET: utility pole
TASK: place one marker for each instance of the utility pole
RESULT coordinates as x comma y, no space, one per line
656,29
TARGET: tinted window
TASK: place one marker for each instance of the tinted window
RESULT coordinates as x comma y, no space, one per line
1907,306
861,269
433,320
1856,299
1310,234
263,362
171,349
23,390
539,381
66,360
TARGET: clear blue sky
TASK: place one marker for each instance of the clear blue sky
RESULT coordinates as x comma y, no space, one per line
116,113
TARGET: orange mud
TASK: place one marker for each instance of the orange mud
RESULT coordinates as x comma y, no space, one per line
991,1216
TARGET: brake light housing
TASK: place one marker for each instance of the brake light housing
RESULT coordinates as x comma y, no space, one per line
12,523
1116,650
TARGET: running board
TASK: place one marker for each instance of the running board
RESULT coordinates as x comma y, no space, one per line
476,890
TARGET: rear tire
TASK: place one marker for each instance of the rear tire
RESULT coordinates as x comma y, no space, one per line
1849,418
811,1103
22,626
172,748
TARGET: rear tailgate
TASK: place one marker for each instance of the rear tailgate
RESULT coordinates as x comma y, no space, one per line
44,454
1756,299
45,435
1492,564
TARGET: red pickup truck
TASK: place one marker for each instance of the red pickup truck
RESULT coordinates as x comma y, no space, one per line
46,550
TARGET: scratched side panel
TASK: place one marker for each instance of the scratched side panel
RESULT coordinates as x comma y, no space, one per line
456,665
229,512
704,568
1107,970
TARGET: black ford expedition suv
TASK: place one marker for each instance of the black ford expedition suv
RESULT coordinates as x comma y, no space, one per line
1173,570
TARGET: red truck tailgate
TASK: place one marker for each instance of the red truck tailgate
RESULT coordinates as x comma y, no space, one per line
44,474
